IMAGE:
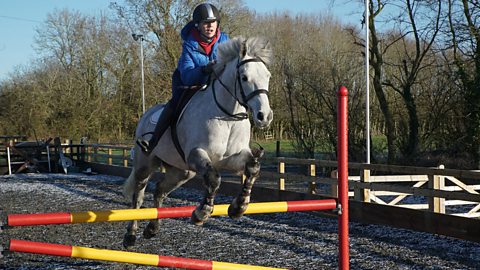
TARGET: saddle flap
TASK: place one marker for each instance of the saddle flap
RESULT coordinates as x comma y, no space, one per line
156,115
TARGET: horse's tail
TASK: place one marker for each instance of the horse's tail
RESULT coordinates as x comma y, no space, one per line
129,186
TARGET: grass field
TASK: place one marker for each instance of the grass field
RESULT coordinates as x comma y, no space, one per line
270,146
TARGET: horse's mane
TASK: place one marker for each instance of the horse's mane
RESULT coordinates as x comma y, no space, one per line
240,47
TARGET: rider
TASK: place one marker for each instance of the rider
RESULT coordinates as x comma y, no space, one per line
201,37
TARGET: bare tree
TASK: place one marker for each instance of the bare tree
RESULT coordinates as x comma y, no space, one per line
397,57
86,84
377,50
464,30
417,34
307,75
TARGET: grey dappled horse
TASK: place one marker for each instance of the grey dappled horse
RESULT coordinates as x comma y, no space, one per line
213,132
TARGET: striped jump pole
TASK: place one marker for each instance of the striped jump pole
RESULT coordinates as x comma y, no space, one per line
163,212
124,256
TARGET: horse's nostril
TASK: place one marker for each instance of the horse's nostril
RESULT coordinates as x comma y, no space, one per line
270,116
260,116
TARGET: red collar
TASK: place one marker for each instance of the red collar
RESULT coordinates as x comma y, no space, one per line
207,47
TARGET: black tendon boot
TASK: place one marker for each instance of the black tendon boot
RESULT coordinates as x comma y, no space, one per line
162,125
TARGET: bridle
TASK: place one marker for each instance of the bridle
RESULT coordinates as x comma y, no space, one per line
245,98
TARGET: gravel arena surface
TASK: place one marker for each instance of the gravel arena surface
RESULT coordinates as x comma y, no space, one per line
287,240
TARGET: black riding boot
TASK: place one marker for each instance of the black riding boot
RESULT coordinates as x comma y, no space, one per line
162,125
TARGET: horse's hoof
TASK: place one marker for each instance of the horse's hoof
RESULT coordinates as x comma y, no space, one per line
150,231
235,213
129,241
196,220
148,234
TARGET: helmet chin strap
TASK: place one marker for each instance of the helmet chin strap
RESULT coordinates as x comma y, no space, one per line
205,38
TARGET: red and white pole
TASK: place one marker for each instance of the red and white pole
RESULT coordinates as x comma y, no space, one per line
342,157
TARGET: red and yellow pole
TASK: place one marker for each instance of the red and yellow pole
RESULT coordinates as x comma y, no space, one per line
124,256
160,213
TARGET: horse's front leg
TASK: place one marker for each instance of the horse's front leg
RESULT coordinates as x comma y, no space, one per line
174,178
252,170
134,188
199,160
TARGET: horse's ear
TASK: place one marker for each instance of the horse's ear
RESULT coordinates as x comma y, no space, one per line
268,45
243,49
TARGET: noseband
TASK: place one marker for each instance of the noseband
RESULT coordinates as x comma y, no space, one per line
242,92
245,98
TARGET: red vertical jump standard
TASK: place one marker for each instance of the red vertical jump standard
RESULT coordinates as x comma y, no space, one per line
342,157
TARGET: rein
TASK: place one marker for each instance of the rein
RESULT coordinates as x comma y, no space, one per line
243,115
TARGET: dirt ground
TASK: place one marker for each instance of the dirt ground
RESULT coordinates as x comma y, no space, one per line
287,240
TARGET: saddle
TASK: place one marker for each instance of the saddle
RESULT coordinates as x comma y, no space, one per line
187,94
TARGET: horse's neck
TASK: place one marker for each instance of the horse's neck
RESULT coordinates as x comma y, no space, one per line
225,97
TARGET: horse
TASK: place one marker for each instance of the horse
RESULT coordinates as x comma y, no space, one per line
213,133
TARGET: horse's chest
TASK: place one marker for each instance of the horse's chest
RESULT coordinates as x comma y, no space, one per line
230,134
221,138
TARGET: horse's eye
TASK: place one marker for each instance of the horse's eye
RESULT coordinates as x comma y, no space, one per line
244,78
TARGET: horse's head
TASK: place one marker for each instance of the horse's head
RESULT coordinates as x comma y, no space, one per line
252,77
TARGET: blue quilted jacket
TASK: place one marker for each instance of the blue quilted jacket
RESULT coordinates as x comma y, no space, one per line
192,59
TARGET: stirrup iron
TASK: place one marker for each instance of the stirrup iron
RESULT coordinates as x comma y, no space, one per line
144,145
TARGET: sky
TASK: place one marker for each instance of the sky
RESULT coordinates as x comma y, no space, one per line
20,18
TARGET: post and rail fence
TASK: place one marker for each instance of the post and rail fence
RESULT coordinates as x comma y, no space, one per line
439,190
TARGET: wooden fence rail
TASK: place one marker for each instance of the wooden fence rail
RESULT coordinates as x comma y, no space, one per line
412,187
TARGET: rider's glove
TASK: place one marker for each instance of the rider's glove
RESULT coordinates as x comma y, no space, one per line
208,68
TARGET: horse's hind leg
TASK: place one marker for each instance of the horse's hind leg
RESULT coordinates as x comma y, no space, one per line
240,203
174,178
134,188
199,160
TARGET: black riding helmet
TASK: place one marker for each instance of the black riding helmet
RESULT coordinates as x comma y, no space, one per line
205,13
